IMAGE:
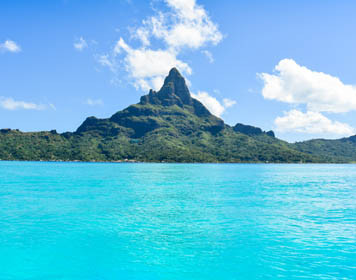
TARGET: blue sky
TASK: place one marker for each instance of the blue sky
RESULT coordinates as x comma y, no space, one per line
282,65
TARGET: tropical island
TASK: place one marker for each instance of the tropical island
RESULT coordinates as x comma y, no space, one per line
169,126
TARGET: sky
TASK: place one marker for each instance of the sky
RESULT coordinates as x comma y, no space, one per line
283,65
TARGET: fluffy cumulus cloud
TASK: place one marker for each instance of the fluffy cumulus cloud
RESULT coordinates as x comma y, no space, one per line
311,123
319,92
80,44
185,25
9,103
214,106
297,84
10,46
149,67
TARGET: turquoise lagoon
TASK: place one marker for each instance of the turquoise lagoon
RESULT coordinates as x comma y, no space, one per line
177,221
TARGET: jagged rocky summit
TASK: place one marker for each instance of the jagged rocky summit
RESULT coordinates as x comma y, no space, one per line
171,126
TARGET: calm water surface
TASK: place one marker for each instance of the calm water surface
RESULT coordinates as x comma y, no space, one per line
177,221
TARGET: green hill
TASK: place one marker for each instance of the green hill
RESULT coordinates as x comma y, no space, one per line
170,126
338,151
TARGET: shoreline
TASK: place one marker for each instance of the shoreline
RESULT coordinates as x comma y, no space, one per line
173,162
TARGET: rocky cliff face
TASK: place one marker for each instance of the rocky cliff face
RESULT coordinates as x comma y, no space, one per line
173,92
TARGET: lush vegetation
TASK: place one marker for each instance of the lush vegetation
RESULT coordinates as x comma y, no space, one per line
163,144
168,126
338,151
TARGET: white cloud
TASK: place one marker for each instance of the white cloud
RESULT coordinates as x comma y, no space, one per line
105,60
80,44
149,67
9,103
213,105
143,35
297,84
94,102
209,56
228,102
318,91
311,123
185,26
10,46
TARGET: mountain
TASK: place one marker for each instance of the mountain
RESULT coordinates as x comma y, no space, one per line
338,151
171,109
168,125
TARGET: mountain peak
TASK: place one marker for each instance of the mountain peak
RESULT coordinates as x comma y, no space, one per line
173,91
175,84
174,73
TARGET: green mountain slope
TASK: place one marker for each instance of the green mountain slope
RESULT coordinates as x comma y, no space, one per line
340,150
168,125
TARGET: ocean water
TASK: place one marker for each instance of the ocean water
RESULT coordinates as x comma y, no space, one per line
177,221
